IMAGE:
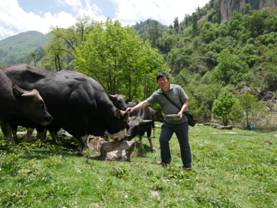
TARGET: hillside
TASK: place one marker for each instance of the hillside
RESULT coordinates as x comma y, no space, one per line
17,49
205,55
150,30
228,7
231,169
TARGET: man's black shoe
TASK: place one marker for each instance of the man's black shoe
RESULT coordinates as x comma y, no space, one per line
164,164
187,168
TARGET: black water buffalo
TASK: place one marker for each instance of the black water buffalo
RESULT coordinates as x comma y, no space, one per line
18,104
25,76
77,103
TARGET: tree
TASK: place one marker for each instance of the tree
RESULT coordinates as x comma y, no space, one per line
176,24
62,47
251,107
257,23
204,96
194,24
119,59
54,60
222,106
230,69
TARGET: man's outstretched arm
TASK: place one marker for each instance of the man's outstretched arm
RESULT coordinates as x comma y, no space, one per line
140,105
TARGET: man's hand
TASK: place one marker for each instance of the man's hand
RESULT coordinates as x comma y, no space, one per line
129,110
180,114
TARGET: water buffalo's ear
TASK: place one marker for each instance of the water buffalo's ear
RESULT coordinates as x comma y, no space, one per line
17,91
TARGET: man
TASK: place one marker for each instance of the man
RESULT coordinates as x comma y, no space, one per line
174,102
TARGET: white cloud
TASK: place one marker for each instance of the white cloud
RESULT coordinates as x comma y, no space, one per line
13,19
84,8
130,12
90,9
73,3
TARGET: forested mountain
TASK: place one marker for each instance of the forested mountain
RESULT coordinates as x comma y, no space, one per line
19,48
228,7
214,57
207,55
150,30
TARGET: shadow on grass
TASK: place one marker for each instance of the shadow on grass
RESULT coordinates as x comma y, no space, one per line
68,147
40,150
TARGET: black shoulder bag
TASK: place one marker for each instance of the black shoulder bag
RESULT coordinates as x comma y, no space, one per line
191,120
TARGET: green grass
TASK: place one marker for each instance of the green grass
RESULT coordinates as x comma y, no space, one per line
230,169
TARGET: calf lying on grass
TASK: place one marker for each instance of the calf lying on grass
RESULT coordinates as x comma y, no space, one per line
115,150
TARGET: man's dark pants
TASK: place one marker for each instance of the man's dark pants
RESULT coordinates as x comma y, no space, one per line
181,131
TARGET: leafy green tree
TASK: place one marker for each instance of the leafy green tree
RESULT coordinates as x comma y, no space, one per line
271,80
256,23
235,26
222,106
208,32
230,69
35,57
204,95
250,106
62,47
194,24
55,58
119,59
237,113
166,42
176,25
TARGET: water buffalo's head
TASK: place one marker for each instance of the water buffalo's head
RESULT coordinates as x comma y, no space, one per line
118,125
119,101
135,124
32,106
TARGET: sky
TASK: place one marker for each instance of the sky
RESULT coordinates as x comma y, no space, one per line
18,16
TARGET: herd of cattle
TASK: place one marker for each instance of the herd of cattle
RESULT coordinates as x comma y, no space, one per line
37,98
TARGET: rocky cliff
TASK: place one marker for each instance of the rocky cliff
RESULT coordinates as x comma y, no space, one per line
227,7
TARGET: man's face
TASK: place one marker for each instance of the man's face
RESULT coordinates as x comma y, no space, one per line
163,83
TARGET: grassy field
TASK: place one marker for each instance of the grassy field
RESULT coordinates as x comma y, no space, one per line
230,169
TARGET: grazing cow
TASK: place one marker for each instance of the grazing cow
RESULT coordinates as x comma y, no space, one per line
77,103
141,121
118,101
18,104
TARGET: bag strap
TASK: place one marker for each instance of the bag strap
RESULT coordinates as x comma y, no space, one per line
173,103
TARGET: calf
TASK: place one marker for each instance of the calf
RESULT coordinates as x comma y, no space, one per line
115,150
139,122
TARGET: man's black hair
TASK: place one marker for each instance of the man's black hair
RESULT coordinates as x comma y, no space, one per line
162,74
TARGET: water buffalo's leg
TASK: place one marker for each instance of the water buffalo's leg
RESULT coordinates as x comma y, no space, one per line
28,135
54,136
149,139
83,144
150,143
14,134
7,131
41,134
